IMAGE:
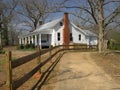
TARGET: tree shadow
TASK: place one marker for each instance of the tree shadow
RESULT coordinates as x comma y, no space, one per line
38,85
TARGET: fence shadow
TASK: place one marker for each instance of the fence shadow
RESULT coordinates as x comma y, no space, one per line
46,74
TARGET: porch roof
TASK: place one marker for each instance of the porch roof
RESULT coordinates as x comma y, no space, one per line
48,31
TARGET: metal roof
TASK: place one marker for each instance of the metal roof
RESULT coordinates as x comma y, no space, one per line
48,25
86,32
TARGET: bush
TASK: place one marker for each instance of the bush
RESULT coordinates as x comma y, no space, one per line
27,46
32,45
114,45
21,46
1,47
117,46
1,50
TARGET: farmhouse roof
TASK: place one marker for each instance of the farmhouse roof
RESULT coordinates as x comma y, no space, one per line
85,32
48,25
51,25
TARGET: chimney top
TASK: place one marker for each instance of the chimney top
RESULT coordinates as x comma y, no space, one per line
65,12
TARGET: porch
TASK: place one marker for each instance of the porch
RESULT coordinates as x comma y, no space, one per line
43,40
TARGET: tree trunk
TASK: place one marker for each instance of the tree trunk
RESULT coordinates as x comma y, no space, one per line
0,33
100,24
0,39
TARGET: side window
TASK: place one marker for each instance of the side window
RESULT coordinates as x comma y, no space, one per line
79,37
61,24
58,36
71,38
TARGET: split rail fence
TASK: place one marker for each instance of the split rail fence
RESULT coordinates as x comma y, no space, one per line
13,85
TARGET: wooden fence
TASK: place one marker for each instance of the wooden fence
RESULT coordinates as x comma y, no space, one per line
13,85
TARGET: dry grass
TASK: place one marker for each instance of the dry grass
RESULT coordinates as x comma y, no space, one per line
109,62
21,70
18,72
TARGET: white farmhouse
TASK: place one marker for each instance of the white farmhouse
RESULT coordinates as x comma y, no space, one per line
58,32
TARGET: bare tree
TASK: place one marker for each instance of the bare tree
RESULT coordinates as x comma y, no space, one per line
6,16
98,13
33,12
100,24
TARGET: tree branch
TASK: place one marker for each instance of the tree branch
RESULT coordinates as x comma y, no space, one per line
111,2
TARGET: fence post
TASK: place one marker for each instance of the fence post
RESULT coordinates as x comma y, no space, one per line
50,52
39,57
8,70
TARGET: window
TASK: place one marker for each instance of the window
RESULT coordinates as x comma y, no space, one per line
61,24
47,37
58,36
71,38
79,37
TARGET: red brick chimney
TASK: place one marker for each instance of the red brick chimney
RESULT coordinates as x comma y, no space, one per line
66,31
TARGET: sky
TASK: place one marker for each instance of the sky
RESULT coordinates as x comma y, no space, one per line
108,9
56,15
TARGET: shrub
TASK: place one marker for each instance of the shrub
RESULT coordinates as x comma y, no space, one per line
32,45
1,50
114,45
27,46
1,47
21,46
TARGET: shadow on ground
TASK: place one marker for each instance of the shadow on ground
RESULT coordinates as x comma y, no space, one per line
46,74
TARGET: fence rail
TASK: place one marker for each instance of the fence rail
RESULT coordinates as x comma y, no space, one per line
13,85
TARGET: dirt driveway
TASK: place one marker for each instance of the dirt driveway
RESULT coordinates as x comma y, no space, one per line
77,71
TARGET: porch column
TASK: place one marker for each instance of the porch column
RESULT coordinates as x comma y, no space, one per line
22,40
28,39
32,39
35,40
40,40
25,40
53,39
